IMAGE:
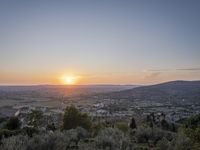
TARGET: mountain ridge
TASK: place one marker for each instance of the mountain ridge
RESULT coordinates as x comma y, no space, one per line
172,90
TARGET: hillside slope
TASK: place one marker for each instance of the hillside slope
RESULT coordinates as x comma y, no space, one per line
174,91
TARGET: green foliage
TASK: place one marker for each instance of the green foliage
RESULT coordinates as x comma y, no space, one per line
103,137
182,142
30,131
96,127
7,133
165,125
13,123
152,136
194,136
143,134
111,138
163,144
18,142
3,122
192,122
46,141
122,126
74,118
51,127
82,133
3,119
192,130
35,118
54,141
168,126
133,124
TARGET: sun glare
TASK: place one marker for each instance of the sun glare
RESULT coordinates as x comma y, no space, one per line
69,80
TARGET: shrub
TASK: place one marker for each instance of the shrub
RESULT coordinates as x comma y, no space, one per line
13,123
18,142
35,118
74,118
122,126
49,141
182,142
30,131
143,134
165,125
152,136
7,133
51,127
111,138
192,130
163,144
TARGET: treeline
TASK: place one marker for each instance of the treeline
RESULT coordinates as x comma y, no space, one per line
78,131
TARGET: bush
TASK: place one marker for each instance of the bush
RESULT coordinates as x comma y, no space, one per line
96,127
143,134
7,133
122,126
111,138
192,131
30,131
57,140
74,118
49,141
163,144
13,123
3,123
182,142
18,142
165,125
51,127
152,136
35,118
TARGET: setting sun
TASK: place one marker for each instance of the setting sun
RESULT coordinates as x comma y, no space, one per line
68,80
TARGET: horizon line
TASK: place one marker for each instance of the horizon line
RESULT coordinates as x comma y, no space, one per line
92,84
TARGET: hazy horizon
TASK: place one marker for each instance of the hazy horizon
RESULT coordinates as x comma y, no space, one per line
102,84
98,42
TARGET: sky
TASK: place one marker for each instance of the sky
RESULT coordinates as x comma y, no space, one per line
99,41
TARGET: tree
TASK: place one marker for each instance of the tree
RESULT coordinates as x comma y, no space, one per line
13,123
192,130
35,118
74,118
173,127
165,125
133,124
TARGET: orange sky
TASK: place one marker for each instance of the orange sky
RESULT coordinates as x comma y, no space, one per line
143,77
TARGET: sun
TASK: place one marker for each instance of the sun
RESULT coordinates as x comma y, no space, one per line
69,80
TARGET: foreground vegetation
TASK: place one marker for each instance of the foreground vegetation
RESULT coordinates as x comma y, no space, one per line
79,131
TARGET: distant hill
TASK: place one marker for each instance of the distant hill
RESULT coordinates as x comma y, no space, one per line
176,91
63,90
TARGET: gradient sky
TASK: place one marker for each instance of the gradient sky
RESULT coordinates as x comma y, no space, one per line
99,41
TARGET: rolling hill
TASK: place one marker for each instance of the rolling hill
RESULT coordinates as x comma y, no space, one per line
176,91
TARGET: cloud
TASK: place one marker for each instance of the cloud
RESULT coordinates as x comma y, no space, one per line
178,69
189,69
159,70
